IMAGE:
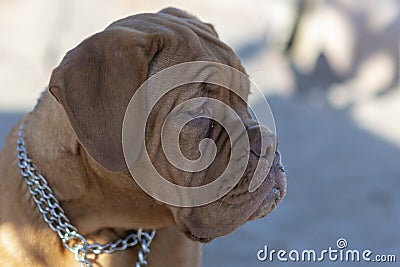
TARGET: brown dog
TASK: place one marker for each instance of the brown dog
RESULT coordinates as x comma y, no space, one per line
73,136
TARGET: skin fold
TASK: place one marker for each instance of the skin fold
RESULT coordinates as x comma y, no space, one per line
73,136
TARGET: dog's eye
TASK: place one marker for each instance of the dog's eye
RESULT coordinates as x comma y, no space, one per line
210,129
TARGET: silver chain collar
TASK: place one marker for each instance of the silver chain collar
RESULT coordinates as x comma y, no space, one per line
55,217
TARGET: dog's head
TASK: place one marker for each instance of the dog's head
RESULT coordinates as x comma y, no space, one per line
96,80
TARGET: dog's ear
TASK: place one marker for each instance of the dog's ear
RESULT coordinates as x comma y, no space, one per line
95,82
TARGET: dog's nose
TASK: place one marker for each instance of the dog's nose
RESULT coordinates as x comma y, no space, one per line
262,141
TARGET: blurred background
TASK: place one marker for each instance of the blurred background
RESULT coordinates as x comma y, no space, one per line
330,70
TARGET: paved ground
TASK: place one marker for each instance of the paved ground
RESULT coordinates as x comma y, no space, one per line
343,162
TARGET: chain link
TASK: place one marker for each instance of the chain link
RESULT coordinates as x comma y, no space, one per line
55,217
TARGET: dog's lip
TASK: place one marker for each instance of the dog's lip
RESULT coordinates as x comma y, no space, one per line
195,238
269,202
275,195
189,234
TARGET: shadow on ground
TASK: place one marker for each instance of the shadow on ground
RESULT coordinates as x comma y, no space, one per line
7,121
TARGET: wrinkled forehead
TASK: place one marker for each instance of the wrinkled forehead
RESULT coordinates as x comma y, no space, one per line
175,32
184,38
164,22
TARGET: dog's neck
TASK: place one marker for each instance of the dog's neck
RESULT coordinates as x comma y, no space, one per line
92,197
